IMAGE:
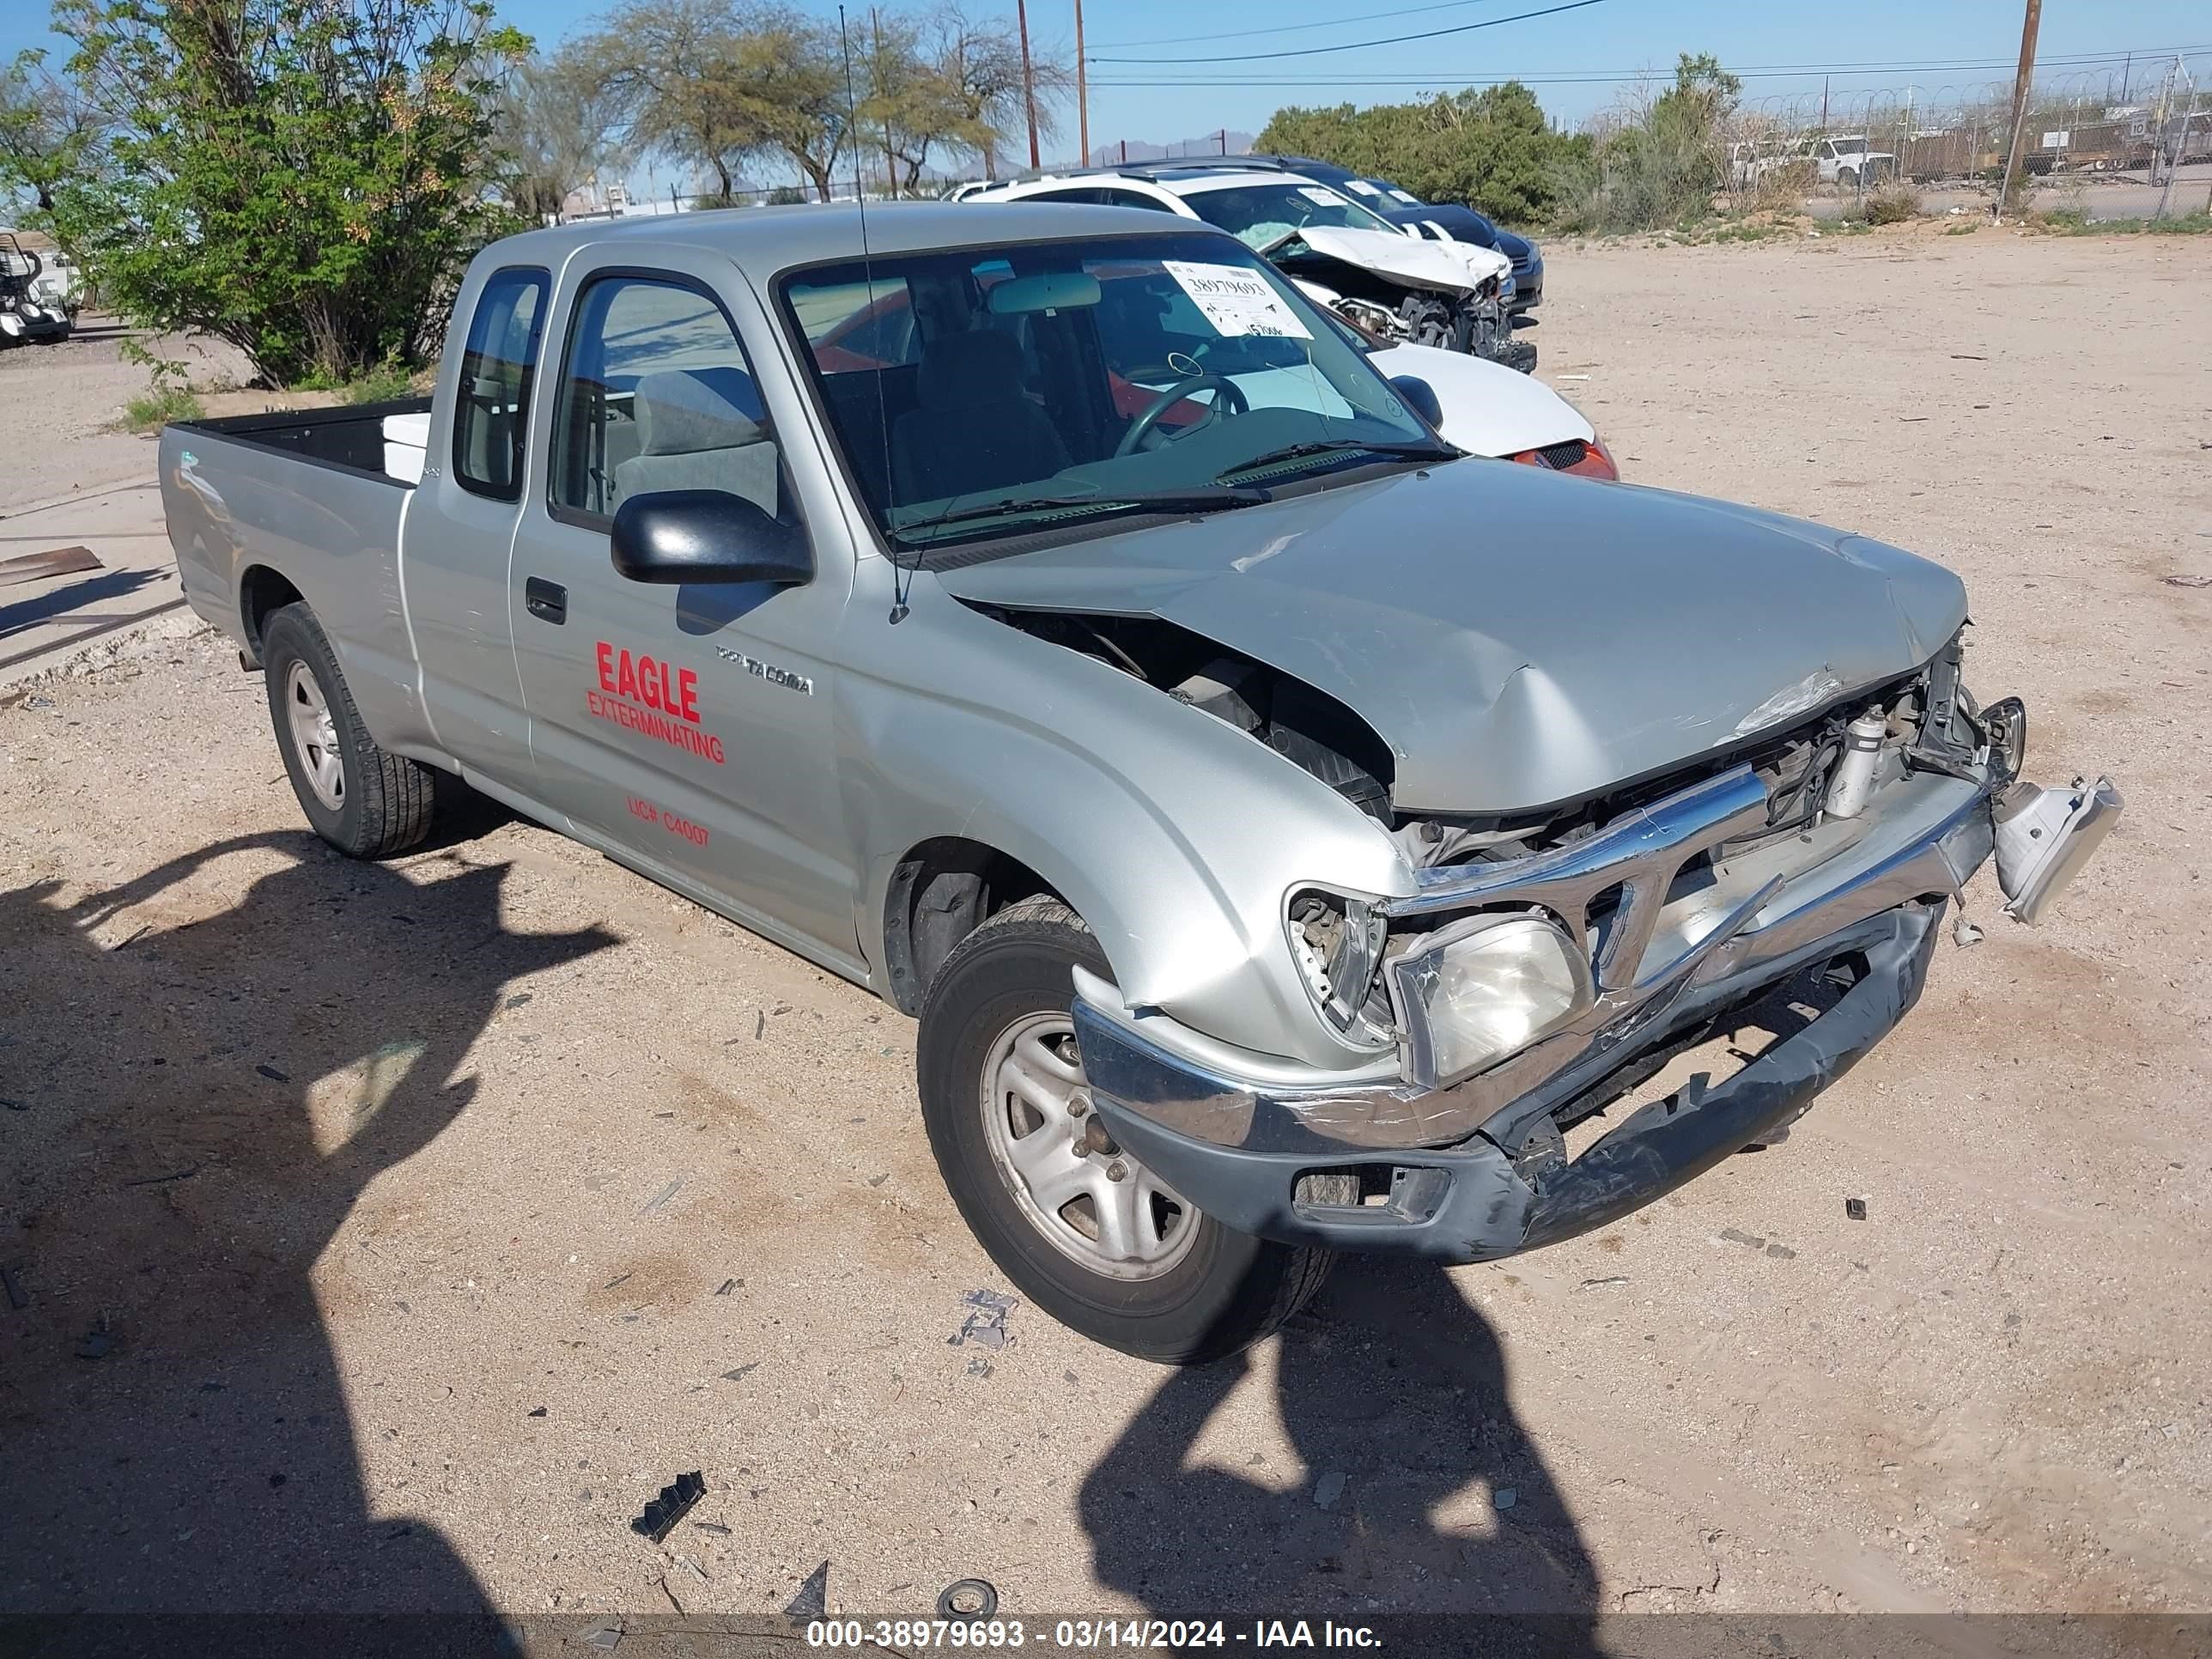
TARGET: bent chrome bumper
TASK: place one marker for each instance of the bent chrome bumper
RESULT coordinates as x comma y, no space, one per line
1474,1203
1475,1169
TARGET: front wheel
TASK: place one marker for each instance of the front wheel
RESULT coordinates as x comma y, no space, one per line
1085,1231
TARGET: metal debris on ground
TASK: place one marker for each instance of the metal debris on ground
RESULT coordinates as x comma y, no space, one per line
606,1640
1855,1209
742,1372
11,1280
675,1501
2187,581
986,1324
1504,1498
714,1526
728,1285
812,1601
16,1105
98,1344
185,1174
272,1074
1330,1490
965,1601
539,1412
54,561
663,1196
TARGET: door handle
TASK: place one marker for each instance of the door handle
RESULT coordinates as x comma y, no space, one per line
547,601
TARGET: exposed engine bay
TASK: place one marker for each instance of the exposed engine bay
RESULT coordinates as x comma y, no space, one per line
1402,311
1819,774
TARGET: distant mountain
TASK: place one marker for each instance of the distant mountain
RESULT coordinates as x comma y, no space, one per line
1213,143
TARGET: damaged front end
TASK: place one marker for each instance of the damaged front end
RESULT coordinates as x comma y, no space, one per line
1457,301
1539,971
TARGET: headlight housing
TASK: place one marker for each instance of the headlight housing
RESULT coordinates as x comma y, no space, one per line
1336,941
1484,988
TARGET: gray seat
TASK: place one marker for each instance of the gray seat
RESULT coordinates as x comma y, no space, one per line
975,428
699,428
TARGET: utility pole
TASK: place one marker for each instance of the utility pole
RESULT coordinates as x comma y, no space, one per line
1082,88
1824,103
1029,80
2022,83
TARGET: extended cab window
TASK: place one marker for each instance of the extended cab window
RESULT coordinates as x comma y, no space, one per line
494,406
658,394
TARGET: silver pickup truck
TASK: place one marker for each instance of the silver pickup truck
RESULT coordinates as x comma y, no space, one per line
1288,831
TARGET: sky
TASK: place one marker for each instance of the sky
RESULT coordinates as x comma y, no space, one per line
1577,58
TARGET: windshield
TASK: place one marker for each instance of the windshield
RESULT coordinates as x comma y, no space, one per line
1261,214
999,391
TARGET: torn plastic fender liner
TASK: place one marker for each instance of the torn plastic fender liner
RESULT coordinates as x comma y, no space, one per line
1469,1203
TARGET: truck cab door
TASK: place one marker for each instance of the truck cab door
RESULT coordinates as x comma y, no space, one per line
459,533
687,730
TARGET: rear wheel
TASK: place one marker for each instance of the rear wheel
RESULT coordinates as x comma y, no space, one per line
1084,1230
364,801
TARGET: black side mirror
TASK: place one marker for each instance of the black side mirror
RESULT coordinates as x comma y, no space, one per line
677,536
1420,396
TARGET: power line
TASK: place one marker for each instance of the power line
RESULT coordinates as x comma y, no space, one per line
1296,29
1358,45
1599,77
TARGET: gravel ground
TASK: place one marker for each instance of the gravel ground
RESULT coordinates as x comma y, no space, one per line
423,1219
64,404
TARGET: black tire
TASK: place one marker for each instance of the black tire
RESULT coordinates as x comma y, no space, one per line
1227,1292
385,799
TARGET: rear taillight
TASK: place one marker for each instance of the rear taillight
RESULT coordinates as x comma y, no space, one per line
1583,459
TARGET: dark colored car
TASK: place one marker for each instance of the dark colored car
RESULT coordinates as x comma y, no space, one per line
1445,223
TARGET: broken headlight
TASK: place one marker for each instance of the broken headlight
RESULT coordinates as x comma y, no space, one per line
1337,942
1485,989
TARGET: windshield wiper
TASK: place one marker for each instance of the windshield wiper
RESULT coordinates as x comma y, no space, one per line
1409,452
1201,498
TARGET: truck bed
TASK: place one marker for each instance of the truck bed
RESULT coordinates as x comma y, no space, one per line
355,437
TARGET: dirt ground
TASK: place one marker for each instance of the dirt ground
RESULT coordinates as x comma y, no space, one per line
386,1235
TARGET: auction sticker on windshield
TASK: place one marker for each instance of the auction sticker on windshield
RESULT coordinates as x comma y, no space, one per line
1236,300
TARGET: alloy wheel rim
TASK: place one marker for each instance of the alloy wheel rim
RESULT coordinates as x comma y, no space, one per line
315,735
1093,1201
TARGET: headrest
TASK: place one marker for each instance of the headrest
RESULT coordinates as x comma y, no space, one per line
682,412
961,370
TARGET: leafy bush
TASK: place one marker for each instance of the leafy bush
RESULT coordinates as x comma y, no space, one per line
386,383
1660,163
1491,149
302,178
159,407
1892,203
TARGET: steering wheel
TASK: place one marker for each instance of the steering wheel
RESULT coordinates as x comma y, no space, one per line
1227,400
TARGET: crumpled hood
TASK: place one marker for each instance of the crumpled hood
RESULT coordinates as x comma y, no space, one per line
1448,267
1520,639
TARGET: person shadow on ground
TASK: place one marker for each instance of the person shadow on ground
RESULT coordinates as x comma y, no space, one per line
196,1105
1414,1491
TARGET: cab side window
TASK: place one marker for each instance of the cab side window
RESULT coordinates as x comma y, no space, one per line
493,410
657,393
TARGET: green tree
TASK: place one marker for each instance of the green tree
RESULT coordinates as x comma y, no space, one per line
555,118
1662,158
677,71
44,130
302,178
1490,150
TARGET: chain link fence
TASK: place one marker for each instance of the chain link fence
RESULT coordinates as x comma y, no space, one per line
2140,148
